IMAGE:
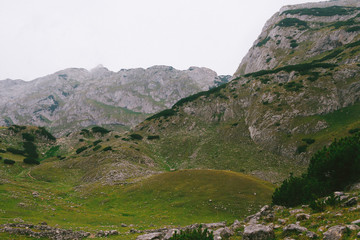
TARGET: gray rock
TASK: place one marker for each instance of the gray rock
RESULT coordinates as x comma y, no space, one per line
351,202
311,235
236,224
170,233
339,194
356,222
223,233
151,236
292,212
258,232
123,225
294,228
213,225
334,233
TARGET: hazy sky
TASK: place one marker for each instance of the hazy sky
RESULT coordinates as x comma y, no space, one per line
39,37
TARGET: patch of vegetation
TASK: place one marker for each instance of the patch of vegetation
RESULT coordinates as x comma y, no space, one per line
15,151
28,137
340,24
81,149
97,147
263,42
303,67
197,95
331,169
301,149
293,44
109,148
292,22
9,161
265,80
153,137
43,132
136,136
353,29
97,142
31,161
52,152
322,12
313,76
30,150
354,130
165,114
194,234
101,130
308,141
293,86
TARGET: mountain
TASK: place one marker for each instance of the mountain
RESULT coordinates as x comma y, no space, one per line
76,98
295,91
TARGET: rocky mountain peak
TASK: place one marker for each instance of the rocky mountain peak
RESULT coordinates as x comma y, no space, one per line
292,35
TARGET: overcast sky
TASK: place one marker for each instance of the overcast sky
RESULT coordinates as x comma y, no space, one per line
39,37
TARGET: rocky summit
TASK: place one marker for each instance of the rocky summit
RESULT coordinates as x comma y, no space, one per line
75,98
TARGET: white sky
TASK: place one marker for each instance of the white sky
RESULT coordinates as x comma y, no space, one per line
39,37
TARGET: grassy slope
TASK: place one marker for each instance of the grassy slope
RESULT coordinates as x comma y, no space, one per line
175,198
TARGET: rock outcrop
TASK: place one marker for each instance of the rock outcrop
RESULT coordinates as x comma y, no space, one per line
76,98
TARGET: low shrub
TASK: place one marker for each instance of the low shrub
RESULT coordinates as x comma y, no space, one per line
100,130
81,149
263,42
136,136
194,234
2,151
31,161
354,130
8,161
43,132
292,22
109,148
15,151
30,150
97,147
308,140
97,142
331,169
153,137
322,12
28,137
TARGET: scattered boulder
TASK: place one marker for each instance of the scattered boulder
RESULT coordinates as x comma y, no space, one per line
258,232
351,202
294,228
311,235
170,233
35,194
123,225
213,225
236,224
223,233
339,194
353,227
334,233
295,211
356,222
281,221
151,236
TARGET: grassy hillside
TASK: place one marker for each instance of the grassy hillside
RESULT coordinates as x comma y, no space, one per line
173,198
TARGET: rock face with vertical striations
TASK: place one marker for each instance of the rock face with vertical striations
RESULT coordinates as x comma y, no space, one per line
75,98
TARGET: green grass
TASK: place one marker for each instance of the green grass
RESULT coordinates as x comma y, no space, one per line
172,198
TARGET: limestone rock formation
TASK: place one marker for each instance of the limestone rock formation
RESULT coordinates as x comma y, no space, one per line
75,98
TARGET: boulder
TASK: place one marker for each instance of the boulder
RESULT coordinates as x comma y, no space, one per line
311,235
170,233
213,225
151,236
258,232
294,228
223,233
356,222
334,233
351,202
292,212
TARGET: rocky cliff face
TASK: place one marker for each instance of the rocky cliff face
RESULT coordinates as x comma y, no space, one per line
74,98
297,33
295,91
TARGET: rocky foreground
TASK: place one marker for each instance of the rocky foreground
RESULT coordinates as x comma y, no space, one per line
338,220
